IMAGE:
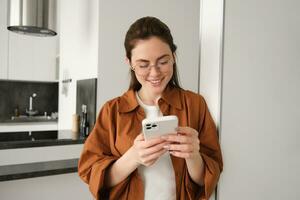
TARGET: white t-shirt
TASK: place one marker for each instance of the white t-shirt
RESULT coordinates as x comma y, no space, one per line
159,178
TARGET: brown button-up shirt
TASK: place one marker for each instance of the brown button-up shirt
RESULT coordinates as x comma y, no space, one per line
118,124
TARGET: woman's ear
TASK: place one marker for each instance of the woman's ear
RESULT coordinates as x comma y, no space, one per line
129,63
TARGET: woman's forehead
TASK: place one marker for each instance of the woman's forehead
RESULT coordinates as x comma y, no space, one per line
149,49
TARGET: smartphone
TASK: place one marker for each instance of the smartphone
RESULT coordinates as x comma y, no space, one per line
156,127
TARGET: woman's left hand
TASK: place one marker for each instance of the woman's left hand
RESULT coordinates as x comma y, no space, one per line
185,144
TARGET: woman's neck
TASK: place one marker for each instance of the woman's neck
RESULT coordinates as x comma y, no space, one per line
147,98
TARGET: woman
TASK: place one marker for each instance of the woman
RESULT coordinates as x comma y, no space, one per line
118,163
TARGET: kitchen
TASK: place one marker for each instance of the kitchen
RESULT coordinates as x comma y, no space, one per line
39,153
230,54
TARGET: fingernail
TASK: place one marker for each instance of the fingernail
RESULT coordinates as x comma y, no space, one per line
164,137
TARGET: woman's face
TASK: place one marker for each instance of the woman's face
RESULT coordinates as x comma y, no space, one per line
152,61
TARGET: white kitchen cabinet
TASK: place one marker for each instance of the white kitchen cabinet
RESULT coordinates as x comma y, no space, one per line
3,40
24,57
32,58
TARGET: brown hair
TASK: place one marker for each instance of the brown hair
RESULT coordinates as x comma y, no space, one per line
145,28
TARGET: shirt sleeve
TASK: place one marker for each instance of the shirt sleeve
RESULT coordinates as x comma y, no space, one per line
96,156
211,155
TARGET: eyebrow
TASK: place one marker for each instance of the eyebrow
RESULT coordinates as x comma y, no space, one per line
144,60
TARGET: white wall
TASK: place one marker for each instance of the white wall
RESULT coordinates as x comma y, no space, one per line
260,102
182,17
211,33
78,51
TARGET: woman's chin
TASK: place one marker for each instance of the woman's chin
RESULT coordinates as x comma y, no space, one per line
157,89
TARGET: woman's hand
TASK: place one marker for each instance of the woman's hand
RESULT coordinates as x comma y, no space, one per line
140,153
185,144
146,152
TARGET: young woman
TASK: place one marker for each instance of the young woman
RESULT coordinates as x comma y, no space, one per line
118,163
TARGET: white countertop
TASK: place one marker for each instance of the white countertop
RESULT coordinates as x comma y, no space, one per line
28,126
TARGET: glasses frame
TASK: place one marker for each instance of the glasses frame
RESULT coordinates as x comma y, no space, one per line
138,70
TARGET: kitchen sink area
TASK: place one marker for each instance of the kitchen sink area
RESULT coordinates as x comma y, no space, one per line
25,118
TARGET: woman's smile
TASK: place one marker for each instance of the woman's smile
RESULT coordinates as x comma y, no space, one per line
155,82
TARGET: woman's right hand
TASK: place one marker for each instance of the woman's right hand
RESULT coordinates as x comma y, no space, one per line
146,152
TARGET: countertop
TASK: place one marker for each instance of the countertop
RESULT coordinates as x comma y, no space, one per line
31,170
61,137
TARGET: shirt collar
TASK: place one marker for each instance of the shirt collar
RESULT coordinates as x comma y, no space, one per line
128,101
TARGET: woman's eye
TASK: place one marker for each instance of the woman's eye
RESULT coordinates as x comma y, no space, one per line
143,66
163,62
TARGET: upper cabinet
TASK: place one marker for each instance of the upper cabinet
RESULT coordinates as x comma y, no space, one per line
3,40
32,58
24,57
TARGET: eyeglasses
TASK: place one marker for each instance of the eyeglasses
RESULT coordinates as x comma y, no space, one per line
143,68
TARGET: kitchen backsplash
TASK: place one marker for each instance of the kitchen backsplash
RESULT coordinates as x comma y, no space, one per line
15,94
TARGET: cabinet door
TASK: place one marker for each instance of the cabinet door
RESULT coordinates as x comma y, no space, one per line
32,58
3,40
44,58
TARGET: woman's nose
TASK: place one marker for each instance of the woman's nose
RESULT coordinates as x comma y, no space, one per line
154,70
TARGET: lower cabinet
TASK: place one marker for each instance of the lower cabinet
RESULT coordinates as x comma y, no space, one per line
14,136
44,135
29,135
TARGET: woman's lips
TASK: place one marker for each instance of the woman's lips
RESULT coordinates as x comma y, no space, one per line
155,82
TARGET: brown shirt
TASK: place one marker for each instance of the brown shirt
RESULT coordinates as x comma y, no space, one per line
118,124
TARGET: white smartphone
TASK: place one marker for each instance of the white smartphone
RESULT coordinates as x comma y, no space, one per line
156,127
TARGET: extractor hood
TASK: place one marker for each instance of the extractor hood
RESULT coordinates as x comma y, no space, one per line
32,17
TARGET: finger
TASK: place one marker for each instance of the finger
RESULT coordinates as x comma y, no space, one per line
153,149
151,142
186,130
178,138
178,154
154,156
169,134
179,147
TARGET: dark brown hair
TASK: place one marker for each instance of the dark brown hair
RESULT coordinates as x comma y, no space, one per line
143,29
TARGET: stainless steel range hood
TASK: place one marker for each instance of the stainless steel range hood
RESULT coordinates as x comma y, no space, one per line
32,17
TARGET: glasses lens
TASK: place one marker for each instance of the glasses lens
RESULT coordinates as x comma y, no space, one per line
144,68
